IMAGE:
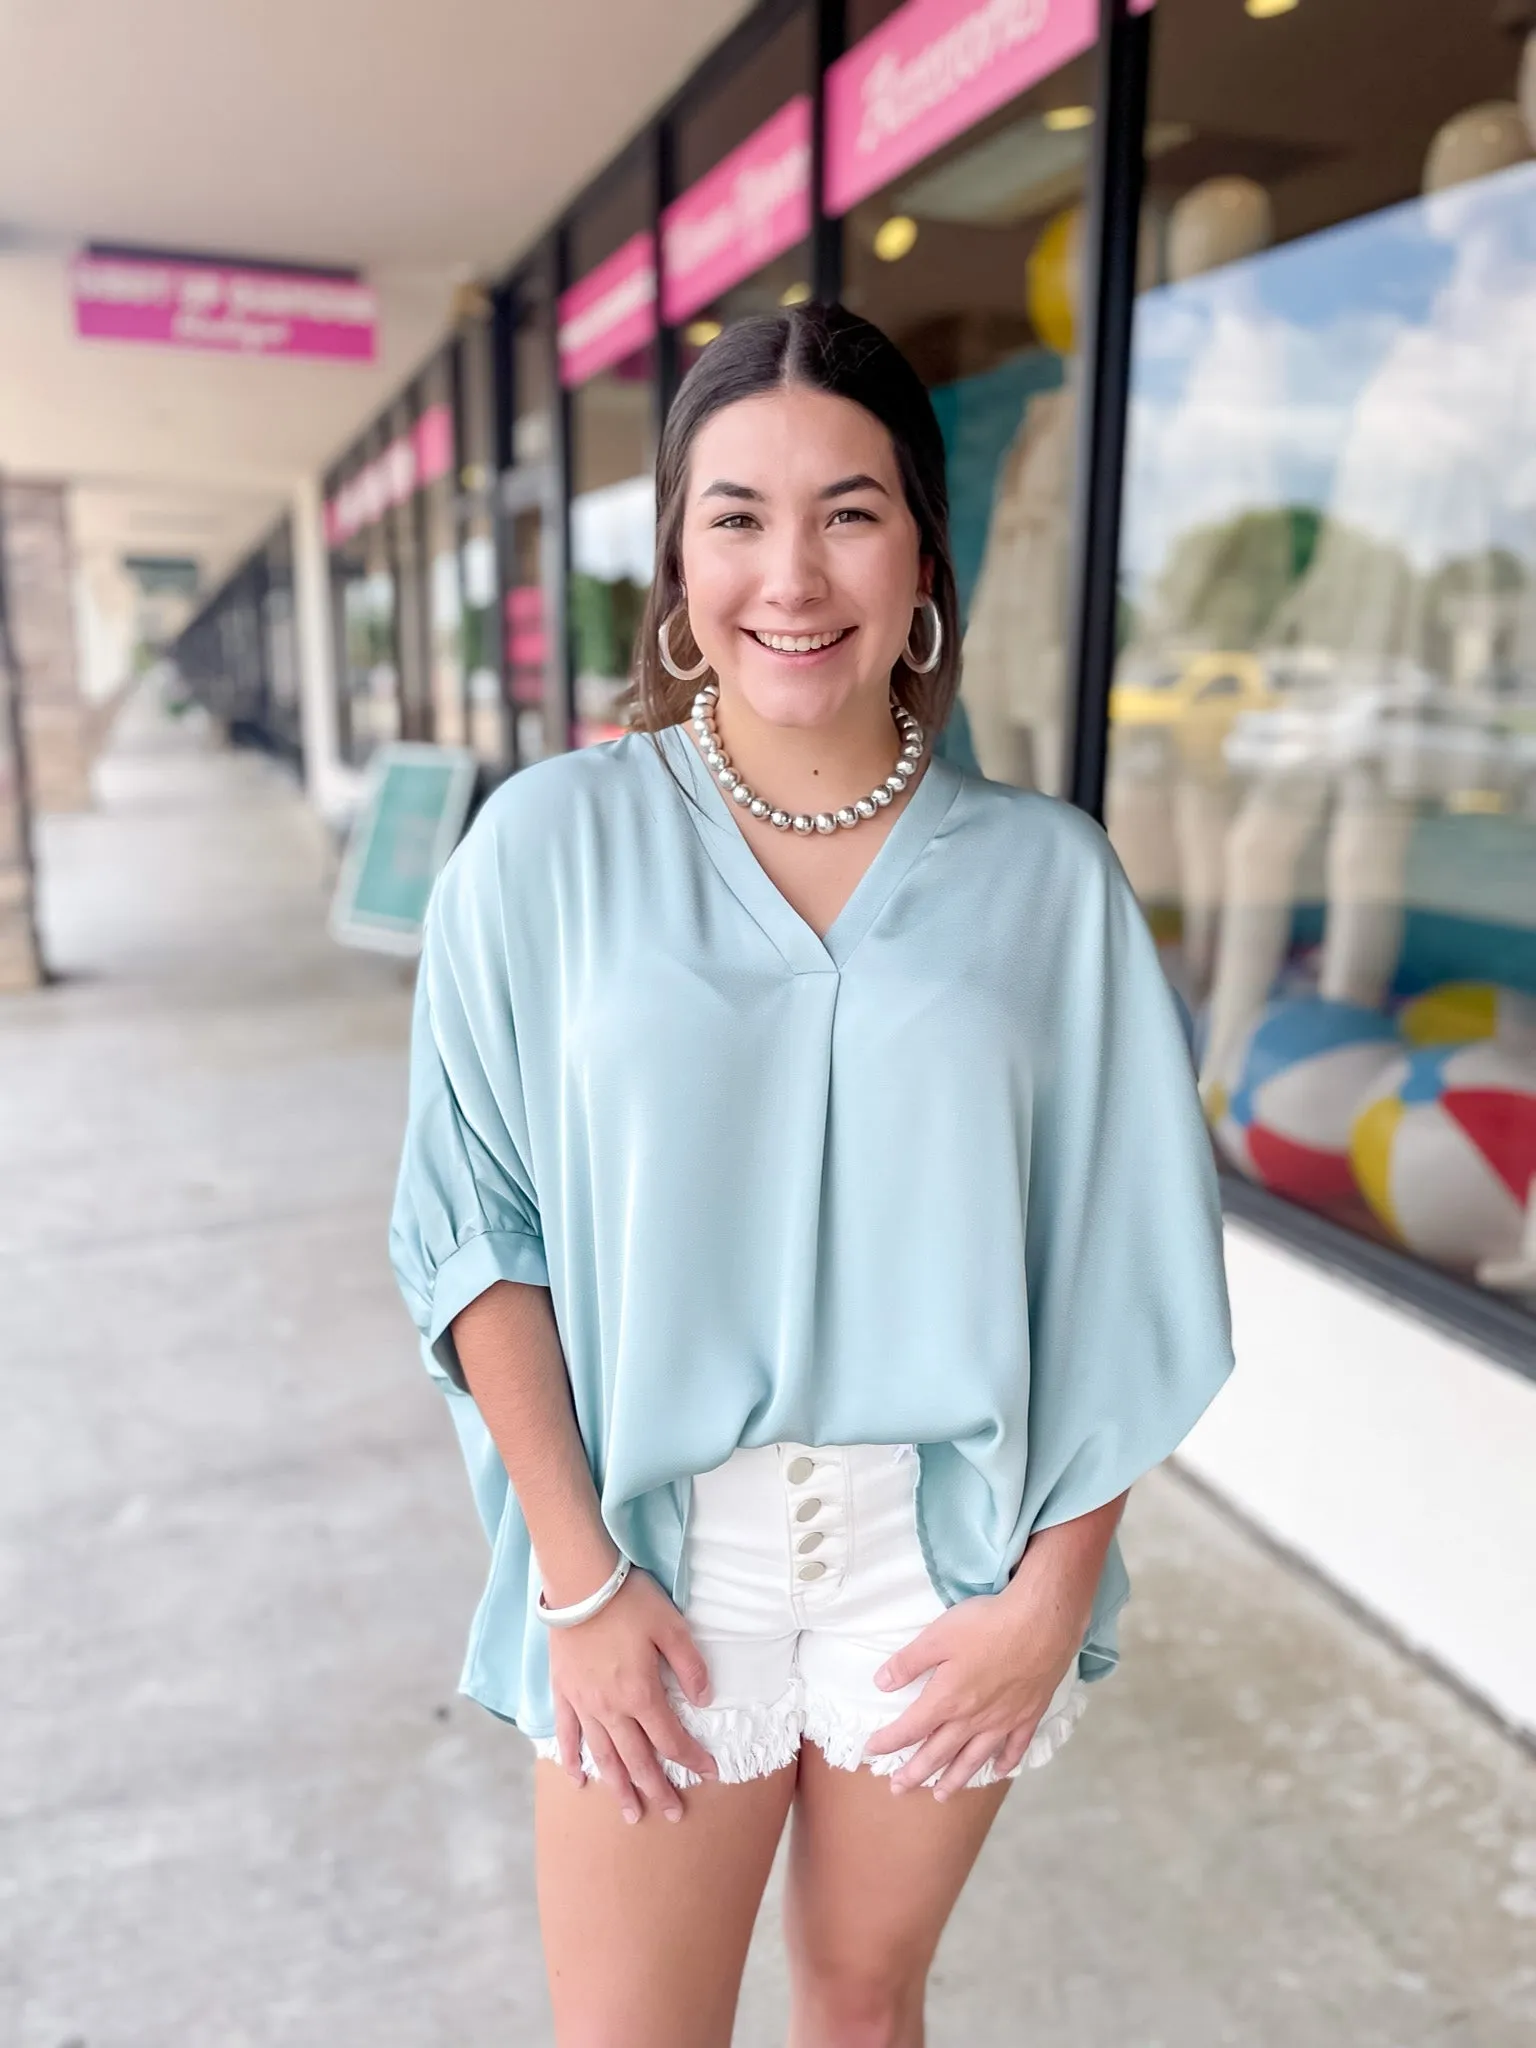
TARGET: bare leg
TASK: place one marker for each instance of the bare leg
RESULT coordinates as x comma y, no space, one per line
873,1878
646,1928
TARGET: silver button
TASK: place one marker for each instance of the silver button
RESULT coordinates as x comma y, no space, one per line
806,1509
809,1543
813,1570
800,1469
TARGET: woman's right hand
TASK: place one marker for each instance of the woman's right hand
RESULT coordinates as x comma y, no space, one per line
606,1675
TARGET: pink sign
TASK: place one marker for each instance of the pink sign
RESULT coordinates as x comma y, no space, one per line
751,207
406,466
186,304
610,313
932,70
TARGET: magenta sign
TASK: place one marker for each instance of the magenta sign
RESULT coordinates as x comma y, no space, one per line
406,466
932,70
187,304
610,313
751,207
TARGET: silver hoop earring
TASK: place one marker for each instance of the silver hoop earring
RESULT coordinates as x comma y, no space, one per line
927,666
664,649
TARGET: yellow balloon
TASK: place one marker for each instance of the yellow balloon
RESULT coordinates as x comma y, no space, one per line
1051,277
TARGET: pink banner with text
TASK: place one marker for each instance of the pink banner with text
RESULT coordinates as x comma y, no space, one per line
932,70
610,313
406,466
751,207
187,304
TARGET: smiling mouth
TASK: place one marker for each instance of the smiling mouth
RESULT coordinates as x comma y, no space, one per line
800,643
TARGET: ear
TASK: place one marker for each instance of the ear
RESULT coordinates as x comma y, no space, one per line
924,577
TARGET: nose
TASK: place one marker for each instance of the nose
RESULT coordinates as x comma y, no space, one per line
794,571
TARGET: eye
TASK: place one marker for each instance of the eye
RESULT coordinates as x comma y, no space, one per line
851,513
733,522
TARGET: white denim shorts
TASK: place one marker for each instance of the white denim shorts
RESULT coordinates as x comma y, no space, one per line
804,1574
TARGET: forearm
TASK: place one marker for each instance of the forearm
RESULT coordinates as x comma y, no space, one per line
509,1348
1061,1566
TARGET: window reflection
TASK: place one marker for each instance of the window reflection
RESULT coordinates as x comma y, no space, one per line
1323,754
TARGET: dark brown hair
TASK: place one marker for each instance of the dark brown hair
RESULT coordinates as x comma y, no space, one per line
825,348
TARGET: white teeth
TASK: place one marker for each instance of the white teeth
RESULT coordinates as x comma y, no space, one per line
798,643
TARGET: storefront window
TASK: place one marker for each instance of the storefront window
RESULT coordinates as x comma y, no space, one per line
958,150
1323,748
531,529
280,642
440,523
407,552
736,241
489,721
607,326
363,586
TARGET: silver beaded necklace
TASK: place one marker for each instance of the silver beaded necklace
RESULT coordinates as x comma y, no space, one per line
718,762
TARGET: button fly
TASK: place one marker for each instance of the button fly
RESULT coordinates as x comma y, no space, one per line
813,1570
806,1509
809,1543
800,1469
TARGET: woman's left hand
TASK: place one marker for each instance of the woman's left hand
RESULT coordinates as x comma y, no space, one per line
995,1661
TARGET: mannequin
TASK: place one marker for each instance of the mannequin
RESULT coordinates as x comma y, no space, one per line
1169,798
1014,688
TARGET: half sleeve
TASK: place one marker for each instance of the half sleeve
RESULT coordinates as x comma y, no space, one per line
466,1210
1130,1336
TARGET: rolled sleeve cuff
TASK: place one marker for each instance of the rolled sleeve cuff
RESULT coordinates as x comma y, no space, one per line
466,1274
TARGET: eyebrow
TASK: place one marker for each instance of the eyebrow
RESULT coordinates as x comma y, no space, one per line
844,487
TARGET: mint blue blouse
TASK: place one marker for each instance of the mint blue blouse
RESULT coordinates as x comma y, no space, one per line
939,1178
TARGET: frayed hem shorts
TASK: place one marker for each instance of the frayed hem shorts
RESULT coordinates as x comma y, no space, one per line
805,1573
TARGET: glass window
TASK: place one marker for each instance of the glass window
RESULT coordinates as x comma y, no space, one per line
407,551
969,261
1322,772
489,725
280,637
613,435
531,531
743,170
363,585
437,439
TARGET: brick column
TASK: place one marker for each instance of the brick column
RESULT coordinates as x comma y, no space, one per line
39,574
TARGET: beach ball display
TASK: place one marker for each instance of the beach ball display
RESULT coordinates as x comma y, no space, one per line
1468,1012
1284,1116
1444,1150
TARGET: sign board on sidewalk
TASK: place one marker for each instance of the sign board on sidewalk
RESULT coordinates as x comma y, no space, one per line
409,823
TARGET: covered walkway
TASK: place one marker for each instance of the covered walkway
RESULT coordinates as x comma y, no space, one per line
240,1804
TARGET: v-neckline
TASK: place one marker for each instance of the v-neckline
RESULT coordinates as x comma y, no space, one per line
807,951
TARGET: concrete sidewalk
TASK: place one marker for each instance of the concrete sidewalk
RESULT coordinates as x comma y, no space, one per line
240,1805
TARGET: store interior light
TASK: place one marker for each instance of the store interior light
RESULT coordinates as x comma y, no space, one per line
795,294
700,333
1059,119
1266,10
894,237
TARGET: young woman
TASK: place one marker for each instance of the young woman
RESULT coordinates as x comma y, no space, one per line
806,1206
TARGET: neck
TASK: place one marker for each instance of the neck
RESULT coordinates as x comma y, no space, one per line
809,767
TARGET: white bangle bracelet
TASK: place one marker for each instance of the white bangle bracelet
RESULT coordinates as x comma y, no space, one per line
583,1610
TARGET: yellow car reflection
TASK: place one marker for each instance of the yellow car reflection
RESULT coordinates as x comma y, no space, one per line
1197,703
